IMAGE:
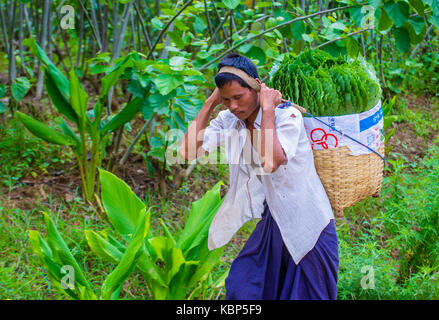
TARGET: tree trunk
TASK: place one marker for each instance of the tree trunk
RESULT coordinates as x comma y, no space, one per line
43,43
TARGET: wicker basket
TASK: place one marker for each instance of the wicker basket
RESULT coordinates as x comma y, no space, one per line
348,179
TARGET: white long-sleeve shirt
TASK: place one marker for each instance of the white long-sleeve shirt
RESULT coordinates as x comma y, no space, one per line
294,193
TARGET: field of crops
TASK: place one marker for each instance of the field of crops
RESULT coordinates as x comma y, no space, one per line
91,207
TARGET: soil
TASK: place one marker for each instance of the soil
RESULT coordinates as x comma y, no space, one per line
405,141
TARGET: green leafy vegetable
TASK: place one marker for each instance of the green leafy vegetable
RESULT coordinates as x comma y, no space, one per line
325,85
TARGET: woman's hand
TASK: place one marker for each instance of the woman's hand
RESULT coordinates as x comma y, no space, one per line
269,98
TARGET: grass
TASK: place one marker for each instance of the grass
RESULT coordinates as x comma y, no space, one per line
396,236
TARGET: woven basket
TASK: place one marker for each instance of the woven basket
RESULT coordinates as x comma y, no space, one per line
348,179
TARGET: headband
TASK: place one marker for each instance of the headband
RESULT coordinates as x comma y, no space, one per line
252,82
243,75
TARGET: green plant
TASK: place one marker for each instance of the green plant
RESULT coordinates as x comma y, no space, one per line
174,266
68,276
71,100
325,85
394,239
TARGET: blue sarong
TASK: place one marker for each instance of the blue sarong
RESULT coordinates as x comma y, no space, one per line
264,269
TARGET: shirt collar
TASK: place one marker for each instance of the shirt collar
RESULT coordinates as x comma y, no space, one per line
257,120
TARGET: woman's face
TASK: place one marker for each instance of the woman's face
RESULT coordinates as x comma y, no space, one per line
241,101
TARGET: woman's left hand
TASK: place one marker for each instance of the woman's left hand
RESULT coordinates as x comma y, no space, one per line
269,98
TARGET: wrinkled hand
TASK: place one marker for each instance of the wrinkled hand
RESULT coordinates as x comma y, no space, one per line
269,98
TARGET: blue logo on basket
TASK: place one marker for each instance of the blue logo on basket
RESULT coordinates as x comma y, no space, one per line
371,120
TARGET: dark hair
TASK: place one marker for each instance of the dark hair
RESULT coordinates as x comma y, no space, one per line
238,61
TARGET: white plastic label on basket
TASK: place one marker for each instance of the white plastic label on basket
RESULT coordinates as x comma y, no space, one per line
366,127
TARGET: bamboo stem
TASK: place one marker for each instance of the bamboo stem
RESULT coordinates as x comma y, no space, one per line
145,33
139,134
162,32
11,53
217,29
43,44
5,34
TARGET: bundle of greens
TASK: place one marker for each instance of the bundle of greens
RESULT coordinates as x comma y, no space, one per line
327,86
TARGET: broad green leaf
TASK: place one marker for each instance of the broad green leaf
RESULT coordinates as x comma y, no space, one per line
166,231
123,207
205,266
417,23
199,25
418,5
402,38
2,90
258,54
78,97
178,63
297,29
109,252
66,130
375,3
397,11
44,253
37,245
190,110
114,282
177,39
172,258
384,21
102,247
434,4
2,107
19,88
179,285
58,246
389,135
166,83
110,79
434,20
58,99
356,15
416,35
199,219
61,81
44,132
180,24
124,116
231,4
152,272
352,47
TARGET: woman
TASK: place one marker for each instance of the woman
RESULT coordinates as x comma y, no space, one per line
293,251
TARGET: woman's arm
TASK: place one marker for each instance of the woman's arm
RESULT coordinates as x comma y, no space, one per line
193,139
272,152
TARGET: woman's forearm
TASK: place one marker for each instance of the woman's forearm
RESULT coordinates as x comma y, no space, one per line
193,139
272,152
